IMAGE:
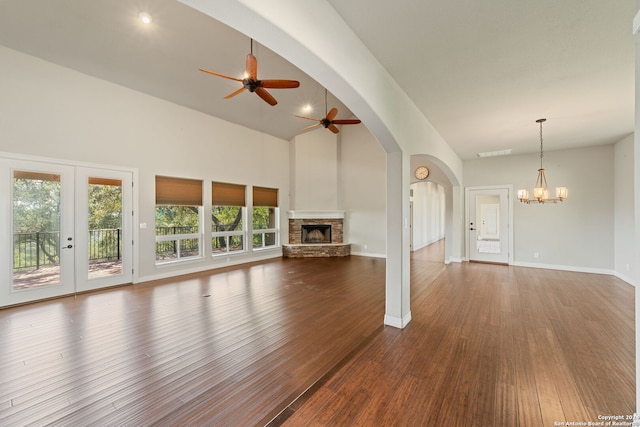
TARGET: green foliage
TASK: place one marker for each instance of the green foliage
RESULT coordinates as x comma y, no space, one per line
177,216
105,207
36,205
227,218
263,218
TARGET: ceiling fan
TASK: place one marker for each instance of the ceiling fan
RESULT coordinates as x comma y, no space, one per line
251,83
328,121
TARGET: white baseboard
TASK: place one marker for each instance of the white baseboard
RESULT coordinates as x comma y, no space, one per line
430,242
453,259
215,264
397,322
624,278
369,254
565,268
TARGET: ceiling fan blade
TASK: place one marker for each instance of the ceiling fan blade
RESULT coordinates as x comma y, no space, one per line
219,75
279,84
308,118
333,128
311,127
346,122
232,94
252,67
332,114
262,93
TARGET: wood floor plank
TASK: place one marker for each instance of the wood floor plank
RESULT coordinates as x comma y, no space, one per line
498,346
487,346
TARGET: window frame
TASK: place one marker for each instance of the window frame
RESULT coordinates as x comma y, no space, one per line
267,198
229,234
225,194
183,192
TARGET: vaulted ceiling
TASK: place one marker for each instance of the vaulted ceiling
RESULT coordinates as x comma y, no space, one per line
481,72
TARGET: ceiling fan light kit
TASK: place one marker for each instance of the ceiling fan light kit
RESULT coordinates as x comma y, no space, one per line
541,193
145,18
251,82
329,121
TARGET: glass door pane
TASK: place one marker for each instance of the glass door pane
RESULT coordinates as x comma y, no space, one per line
105,227
36,229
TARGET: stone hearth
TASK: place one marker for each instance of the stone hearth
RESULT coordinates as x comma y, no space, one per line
316,234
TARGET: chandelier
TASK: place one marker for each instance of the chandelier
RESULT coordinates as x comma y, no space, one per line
541,190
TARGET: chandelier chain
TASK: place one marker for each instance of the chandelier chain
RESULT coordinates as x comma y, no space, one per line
541,152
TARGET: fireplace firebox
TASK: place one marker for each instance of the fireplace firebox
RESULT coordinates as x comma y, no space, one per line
316,233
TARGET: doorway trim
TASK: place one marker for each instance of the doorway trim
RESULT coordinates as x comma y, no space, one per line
509,189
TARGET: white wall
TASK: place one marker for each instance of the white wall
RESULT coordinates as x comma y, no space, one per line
428,213
363,190
575,235
314,167
51,111
624,255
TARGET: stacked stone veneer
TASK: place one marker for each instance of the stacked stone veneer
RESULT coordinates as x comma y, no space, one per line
295,229
297,249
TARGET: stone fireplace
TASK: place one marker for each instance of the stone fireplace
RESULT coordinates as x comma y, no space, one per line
316,234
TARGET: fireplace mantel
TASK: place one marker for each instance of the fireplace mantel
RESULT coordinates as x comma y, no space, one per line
316,214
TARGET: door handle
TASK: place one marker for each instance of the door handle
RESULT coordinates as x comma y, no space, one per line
472,229
67,247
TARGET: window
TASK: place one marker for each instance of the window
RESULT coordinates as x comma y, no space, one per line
265,217
228,232
178,219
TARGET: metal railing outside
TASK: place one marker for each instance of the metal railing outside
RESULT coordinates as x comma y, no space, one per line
177,242
42,249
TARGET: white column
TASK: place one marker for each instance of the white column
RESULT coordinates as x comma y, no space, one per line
397,311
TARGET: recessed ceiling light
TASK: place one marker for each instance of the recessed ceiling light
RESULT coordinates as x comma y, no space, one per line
495,153
307,108
145,18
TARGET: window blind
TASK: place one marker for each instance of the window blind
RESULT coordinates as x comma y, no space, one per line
38,176
105,181
267,197
178,191
224,194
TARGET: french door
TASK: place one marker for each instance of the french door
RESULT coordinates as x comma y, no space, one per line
64,229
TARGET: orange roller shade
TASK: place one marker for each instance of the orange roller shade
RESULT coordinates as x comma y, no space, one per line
267,197
178,191
224,194
105,181
36,176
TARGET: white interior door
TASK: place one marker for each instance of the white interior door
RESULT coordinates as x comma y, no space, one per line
63,229
37,240
488,228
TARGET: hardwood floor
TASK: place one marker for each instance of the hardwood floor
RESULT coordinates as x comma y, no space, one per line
231,348
488,345
491,346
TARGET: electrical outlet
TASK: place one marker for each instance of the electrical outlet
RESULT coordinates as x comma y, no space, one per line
536,255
